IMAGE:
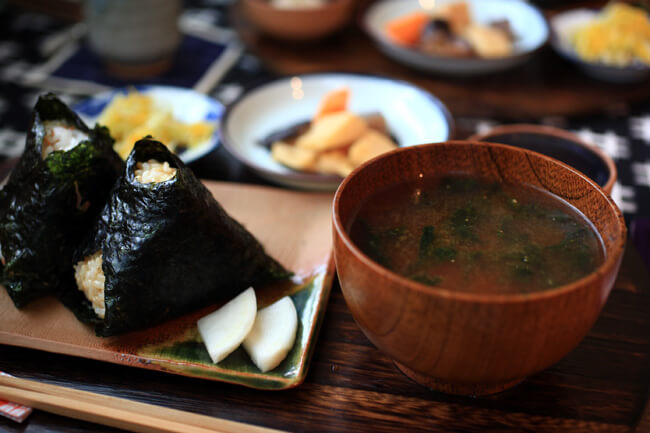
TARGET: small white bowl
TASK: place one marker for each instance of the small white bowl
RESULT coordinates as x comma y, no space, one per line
564,23
413,115
187,106
527,23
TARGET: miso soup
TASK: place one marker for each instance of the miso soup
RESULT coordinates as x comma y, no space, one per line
468,234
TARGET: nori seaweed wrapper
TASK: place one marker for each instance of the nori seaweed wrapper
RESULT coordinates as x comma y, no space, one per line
168,248
48,204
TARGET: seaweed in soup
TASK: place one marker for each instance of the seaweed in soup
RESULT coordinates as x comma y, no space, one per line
466,233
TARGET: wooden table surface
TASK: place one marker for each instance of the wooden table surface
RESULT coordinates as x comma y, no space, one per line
601,386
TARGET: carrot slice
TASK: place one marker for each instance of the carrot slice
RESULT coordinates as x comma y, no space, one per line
332,102
406,30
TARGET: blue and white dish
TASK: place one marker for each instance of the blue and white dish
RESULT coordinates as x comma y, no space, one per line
186,105
564,23
413,116
527,23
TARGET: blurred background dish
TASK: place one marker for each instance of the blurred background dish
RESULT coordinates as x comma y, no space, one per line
527,24
559,144
615,63
413,116
193,116
298,19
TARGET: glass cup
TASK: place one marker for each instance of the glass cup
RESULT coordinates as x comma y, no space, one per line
134,38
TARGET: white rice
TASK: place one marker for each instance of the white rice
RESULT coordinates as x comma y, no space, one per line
153,171
59,136
297,4
90,280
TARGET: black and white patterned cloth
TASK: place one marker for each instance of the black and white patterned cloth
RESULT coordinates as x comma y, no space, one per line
37,54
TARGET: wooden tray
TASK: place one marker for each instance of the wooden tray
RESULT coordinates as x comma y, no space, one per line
294,227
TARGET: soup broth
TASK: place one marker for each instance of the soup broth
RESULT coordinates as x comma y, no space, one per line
468,234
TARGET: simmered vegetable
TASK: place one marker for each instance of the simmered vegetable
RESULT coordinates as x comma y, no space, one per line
449,31
335,141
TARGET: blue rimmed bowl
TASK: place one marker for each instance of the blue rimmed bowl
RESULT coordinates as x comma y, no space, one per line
186,105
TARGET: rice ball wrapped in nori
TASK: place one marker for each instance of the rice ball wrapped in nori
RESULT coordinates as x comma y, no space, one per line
51,199
162,246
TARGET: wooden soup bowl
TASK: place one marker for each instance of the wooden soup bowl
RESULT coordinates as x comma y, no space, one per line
299,24
559,144
472,343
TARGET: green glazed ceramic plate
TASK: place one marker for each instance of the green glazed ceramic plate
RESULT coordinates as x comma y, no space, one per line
294,227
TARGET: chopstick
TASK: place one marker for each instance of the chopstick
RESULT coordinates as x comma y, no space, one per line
114,411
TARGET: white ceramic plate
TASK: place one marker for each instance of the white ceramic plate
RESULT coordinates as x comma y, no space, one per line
186,105
527,23
566,22
413,115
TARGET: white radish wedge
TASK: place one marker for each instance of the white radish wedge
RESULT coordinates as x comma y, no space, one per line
224,329
273,334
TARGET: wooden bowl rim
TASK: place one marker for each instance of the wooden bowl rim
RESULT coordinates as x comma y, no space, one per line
608,265
529,128
329,4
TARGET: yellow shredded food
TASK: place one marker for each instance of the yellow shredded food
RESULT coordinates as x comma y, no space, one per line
135,115
618,36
